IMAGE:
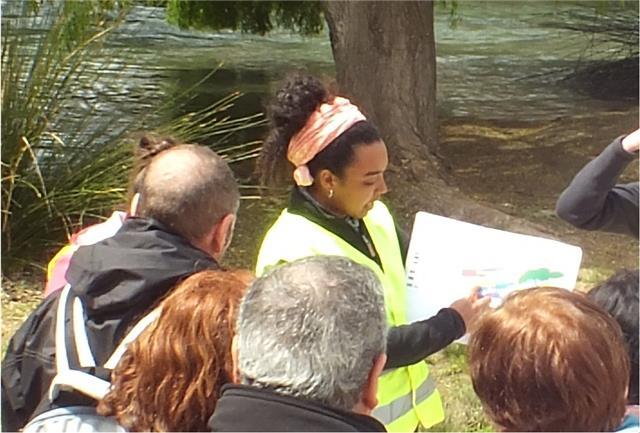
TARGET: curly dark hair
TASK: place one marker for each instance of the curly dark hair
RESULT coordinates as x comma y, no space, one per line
618,296
289,111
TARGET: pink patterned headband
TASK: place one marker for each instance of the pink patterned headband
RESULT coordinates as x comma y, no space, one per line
323,126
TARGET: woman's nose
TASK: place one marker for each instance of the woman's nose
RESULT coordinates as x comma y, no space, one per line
382,189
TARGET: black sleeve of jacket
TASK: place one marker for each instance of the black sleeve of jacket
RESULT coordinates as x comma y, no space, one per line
28,366
593,201
408,344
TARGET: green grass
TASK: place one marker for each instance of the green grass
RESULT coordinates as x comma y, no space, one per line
590,277
463,411
19,298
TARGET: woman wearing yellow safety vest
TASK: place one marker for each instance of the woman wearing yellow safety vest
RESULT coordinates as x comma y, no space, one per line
339,160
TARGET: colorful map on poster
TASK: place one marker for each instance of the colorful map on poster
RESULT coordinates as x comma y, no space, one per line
448,257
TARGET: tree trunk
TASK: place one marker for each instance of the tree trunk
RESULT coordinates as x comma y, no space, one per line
385,60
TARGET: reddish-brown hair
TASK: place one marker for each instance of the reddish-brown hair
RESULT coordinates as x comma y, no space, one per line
170,377
550,360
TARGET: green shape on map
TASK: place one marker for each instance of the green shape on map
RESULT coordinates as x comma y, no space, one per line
541,274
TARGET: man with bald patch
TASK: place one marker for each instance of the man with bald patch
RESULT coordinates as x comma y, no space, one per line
188,190
186,214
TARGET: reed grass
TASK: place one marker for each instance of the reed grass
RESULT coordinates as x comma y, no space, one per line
60,172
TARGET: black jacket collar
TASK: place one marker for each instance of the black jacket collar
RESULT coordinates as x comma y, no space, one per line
249,409
132,267
121,278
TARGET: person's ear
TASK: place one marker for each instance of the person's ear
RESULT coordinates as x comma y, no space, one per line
327,179
222,235
235,373
133,206
369,399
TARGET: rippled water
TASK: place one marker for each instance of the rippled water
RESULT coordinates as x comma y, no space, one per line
499,62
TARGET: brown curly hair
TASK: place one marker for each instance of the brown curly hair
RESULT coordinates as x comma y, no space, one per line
169,378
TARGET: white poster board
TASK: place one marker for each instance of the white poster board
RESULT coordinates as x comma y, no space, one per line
448,257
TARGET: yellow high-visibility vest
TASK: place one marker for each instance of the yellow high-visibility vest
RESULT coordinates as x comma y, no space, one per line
407,395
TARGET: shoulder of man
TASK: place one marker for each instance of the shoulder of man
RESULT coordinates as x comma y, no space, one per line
29,365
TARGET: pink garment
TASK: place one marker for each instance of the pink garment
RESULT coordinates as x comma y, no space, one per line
57,268
323,126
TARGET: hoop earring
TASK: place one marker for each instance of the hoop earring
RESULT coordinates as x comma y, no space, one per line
330,193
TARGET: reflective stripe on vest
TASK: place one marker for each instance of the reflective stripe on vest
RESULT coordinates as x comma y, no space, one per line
292,237
398,407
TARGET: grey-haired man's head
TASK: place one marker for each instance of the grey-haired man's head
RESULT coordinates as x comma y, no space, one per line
315,329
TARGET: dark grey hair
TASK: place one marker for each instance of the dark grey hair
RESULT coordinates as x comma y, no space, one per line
312,328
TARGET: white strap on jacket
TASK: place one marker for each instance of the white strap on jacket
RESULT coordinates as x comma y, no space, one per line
66,378
86,383
80,336
132,335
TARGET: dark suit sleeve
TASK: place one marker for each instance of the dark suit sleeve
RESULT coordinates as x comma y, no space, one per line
593,201
408,344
